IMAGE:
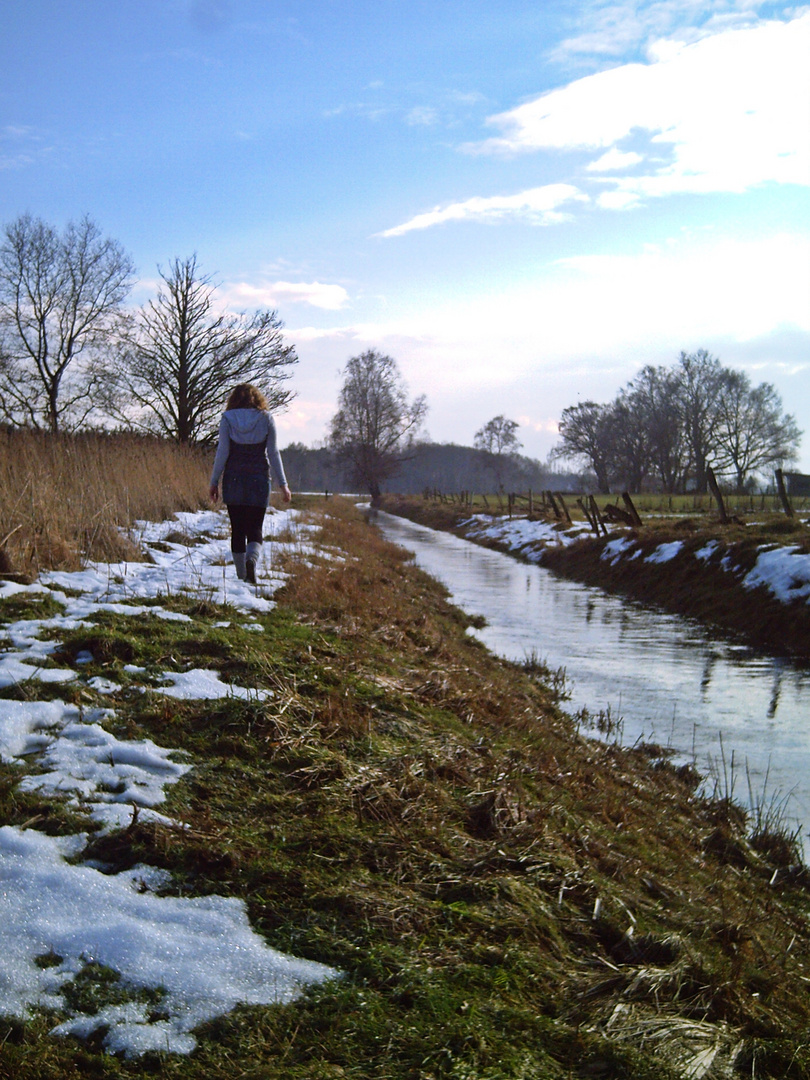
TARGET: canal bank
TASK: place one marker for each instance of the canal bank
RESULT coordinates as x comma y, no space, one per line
750,580
505,898
638,674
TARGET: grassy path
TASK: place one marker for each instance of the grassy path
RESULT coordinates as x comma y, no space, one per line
504,897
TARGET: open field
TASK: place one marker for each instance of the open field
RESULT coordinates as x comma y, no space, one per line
504,897
702,508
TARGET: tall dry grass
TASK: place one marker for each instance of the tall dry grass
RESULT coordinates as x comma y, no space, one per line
66,498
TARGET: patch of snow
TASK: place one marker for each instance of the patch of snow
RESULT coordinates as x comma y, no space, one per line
99,771
784,571
203,684
26,726
13,588
518,534
20,667
615,549
707,550
665,552
201,951
102,685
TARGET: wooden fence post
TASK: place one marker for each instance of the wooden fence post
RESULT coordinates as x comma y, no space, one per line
587,513
596,515
715,490
564,508
628,502
782,493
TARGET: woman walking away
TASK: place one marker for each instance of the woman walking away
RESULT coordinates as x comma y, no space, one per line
246,452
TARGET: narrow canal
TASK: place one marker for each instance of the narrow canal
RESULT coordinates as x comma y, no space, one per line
738,714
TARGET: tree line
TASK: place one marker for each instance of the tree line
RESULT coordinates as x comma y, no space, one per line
449,468
71,356
374,443
671,424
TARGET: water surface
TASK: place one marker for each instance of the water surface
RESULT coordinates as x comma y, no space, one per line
735,711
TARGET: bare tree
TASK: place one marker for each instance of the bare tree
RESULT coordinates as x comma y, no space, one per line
183,356
60,298
375,424
651,399
631,460
498,436
753,433
587,432
700,381
498,439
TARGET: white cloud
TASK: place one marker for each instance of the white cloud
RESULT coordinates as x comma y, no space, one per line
144,290
421,116
741,289
462,97
725,113
538,205
691,288
613,29
20,135
303,415
614,160
360,108
18,161
315,293
584,325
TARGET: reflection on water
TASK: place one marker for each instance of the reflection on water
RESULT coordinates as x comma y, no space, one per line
667,679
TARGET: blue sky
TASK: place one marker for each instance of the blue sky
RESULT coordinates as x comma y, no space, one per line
523,203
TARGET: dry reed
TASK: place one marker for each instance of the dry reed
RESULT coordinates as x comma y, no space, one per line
66,498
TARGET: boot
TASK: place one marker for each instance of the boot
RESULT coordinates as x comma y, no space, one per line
239,558
252,557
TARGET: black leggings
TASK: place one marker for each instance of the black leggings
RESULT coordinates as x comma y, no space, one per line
246,525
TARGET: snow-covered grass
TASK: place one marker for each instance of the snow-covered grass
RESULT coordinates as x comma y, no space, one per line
524,537
175,962
402,806
783,570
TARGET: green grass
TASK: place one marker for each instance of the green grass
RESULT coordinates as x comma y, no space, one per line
654,504
761,513
426,819
29,606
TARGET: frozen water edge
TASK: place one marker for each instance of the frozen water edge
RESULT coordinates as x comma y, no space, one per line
199,954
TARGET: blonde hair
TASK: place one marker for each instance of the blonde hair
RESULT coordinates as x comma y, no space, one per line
247,396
